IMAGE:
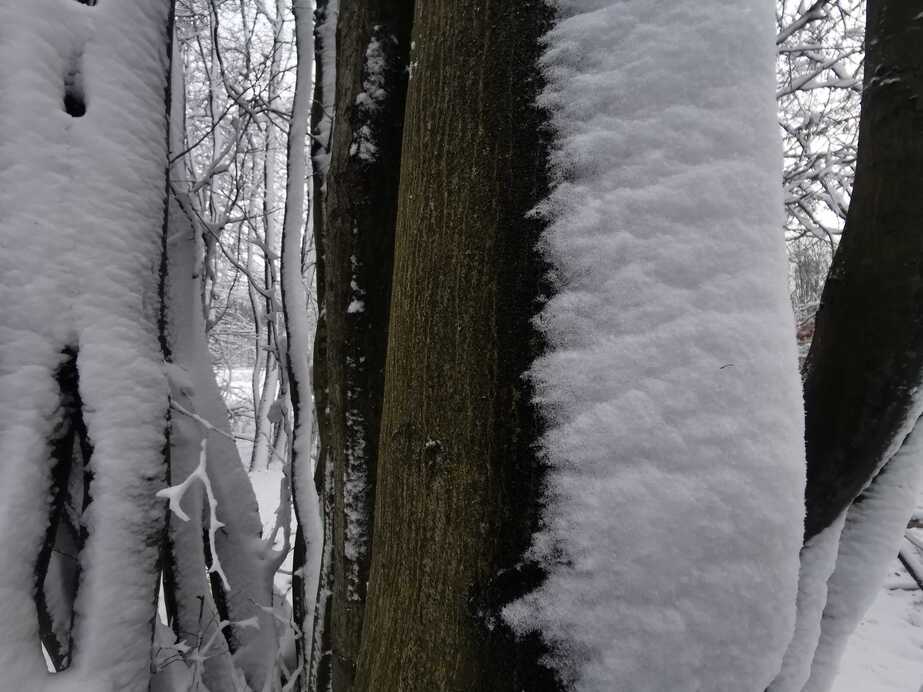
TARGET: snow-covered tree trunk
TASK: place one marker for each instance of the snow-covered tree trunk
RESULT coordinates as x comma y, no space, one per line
83,156
215,616
221,590
309,540
356,241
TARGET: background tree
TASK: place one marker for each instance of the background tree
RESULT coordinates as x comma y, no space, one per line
819,75
863,370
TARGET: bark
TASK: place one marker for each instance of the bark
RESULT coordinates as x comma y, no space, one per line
458,477
373,42
322,120
864,366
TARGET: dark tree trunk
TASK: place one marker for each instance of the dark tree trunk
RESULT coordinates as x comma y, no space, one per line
357,241
458,478
318,676
866,359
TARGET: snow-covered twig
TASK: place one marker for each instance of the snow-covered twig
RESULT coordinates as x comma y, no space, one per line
175,496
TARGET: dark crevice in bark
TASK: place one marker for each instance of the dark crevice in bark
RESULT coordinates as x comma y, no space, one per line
65,534
523,289
74,99
218,595
166,565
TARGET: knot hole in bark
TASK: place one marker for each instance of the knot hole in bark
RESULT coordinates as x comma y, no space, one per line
74,100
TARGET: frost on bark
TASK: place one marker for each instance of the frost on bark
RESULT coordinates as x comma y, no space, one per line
457,475
83,397
864,366
356,246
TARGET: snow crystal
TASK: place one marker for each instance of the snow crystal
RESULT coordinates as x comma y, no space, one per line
674,516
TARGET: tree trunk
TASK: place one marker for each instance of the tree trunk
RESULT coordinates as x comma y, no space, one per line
458,479
373,42
864,367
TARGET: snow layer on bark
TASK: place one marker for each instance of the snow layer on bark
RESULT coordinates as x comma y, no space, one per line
327,33
871,538
81,214
818,558
674,507
369,100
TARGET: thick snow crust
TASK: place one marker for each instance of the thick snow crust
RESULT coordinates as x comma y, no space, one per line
674,517
81,214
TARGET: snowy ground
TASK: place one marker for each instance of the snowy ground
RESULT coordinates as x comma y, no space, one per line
886,652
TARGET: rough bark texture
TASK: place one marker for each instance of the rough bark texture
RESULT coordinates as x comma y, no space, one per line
373,38
318,675
458,477
864,366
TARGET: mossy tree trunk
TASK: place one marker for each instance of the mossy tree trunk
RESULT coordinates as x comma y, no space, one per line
357,243
458,478
864,368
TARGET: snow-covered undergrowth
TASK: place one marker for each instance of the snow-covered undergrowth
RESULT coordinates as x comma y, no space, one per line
675,496
82,160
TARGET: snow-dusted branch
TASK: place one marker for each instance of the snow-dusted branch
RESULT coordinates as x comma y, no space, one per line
175,496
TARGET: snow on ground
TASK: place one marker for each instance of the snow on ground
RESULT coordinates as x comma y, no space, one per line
675,515
886,652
